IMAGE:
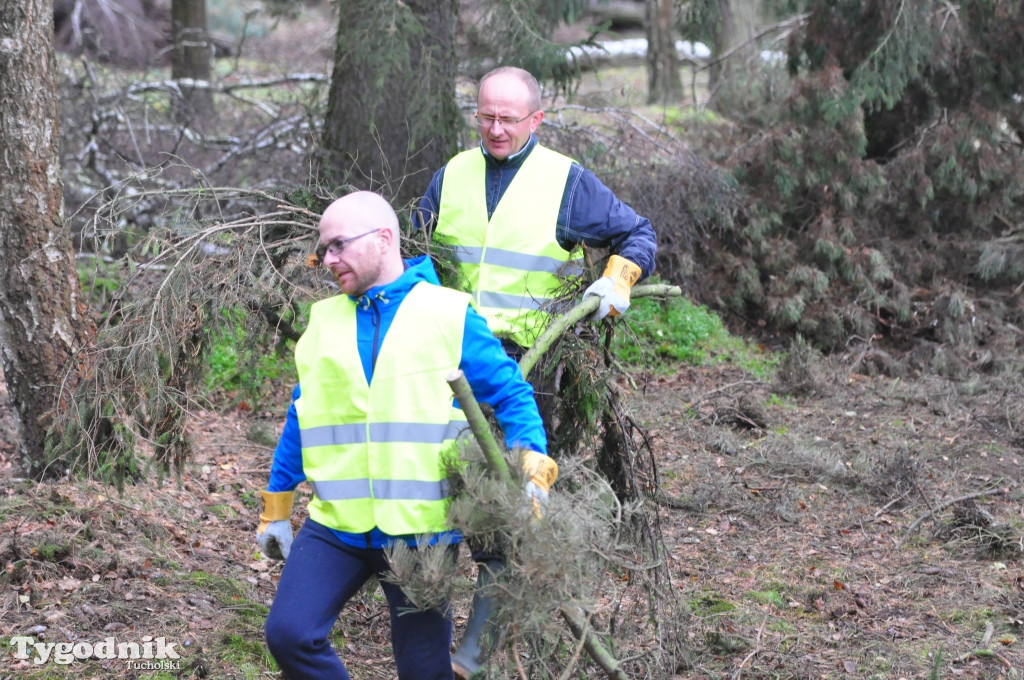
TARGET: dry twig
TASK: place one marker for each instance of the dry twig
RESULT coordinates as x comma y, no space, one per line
945,504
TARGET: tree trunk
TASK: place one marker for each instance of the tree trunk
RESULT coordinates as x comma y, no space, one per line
734,43
392,118
664,84
43,321
191,59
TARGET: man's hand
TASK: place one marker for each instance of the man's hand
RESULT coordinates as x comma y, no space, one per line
613,287
274,534
276,540
541,472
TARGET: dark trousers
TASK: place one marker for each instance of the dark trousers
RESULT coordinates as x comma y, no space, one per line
320,576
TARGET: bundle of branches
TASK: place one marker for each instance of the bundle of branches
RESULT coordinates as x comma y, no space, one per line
577,381
182,284
575,592
603,517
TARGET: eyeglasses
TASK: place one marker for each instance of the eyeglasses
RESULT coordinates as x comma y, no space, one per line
486,121
338,245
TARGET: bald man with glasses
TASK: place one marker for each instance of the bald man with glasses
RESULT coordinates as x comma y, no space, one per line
515,211
369,428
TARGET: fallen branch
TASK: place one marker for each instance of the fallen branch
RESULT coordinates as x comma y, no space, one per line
579,626
560,324
946,504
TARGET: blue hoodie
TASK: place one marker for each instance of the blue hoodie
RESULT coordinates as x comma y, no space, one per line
493,376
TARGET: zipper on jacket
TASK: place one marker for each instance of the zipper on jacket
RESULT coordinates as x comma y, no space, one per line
375,320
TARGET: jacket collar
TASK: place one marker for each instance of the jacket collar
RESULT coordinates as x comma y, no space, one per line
513,161
417,269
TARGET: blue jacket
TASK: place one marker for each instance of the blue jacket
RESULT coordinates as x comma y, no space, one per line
590,212
493,376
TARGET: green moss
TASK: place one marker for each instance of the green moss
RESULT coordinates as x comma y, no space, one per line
222,511
658,334
772,597
226,589
53,552
711,604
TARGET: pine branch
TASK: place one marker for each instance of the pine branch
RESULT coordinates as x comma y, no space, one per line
785,27
560,325
274,320
478,424
577,622
952,501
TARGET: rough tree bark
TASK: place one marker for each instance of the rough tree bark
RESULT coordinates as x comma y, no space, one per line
42,318
191,59
664,84
392,118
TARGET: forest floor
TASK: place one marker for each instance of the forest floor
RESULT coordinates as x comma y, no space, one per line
870,529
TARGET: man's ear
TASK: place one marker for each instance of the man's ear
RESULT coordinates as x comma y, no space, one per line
387,235
535,121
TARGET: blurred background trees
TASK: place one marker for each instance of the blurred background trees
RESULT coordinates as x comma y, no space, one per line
391,116
883,192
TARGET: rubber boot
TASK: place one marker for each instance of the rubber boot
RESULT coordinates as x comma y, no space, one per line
471,654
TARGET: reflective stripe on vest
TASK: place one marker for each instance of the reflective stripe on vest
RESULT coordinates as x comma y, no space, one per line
328,435
348,489
512,263
374,454
514,260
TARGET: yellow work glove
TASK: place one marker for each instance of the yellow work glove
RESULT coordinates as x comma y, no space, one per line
613,287
274,534
541,472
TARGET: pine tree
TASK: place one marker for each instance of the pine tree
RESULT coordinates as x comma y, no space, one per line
887,177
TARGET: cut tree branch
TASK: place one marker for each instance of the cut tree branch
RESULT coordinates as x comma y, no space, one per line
560,324
576,621
478,424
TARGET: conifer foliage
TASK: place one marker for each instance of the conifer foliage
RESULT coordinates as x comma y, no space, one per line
889,179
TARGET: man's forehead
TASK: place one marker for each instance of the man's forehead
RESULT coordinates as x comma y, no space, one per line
336,228
503,87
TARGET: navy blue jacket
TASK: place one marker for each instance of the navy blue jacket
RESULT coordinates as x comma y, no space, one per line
590,212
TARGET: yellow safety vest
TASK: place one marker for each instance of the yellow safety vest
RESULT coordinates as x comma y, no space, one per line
373,452
512,264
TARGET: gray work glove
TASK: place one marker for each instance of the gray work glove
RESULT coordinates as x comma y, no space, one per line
274,534
276,540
